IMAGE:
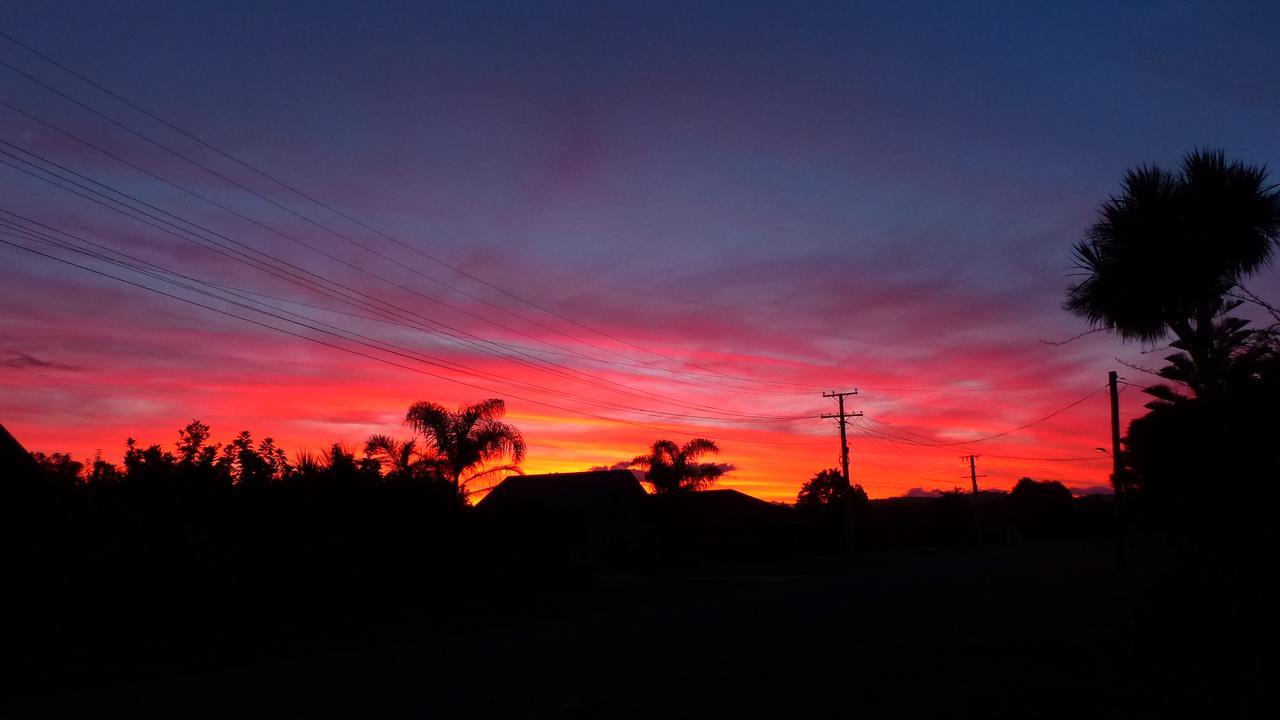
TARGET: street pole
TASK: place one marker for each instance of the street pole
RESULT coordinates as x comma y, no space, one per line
842,418
1117,475
977,513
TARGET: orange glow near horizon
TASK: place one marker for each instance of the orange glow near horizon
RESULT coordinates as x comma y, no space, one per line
307,398
629,225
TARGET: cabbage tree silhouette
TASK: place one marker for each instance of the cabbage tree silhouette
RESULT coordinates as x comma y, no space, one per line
672,468
1238,354
466,440
1169,248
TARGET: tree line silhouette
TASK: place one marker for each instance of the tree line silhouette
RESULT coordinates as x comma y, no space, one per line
201,537
1032,510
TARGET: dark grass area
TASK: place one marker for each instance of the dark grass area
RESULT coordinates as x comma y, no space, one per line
1053,637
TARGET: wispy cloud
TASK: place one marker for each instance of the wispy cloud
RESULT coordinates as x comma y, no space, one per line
23,361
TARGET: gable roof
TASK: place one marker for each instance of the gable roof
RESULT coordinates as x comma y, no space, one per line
564,491
15,461
721,506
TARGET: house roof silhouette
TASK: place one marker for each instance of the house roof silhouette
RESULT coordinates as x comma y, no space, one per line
15,461
721,507
570,491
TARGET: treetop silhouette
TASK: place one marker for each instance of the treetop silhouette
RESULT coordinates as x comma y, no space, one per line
464,442
672,468
1170,247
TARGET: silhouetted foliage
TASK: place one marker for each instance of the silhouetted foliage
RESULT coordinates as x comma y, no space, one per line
1169,256
827,489
672,468
148,469
205,538
821,503
1189,451
1041,508
197,538
102,472
58,468
1169,248
465,441
253,467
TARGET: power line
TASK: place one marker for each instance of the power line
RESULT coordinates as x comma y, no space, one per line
931,443
435,361
107,153
377,358
1014,388
312,221
455,332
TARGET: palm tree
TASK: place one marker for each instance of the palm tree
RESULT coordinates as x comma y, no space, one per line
466,440
673,468
1170,247
403,460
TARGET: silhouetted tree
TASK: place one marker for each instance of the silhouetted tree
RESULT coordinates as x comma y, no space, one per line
467,439
307,467
250,466
58,469
342,467
403,461
149,468
1204,474
1168,249
1041,508
192,448
672,468
102,472
1195,454
826,489
198,461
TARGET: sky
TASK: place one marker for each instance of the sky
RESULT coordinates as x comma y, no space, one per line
631,221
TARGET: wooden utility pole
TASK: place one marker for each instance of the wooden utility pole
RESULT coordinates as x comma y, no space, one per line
1117,476
977,516
843,419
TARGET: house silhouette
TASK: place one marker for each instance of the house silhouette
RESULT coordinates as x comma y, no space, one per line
585,522
16,464
563,523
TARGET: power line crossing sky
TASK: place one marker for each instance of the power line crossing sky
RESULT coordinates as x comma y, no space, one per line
655,221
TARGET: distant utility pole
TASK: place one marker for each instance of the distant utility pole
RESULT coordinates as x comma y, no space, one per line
843,418
1117,470
977,517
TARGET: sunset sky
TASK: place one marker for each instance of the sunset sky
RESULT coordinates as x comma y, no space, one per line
655,220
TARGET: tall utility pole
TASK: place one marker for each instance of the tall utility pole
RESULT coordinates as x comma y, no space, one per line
843,418
977,517
1117,470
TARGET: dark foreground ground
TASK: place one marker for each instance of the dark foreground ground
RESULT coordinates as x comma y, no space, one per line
1032,630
